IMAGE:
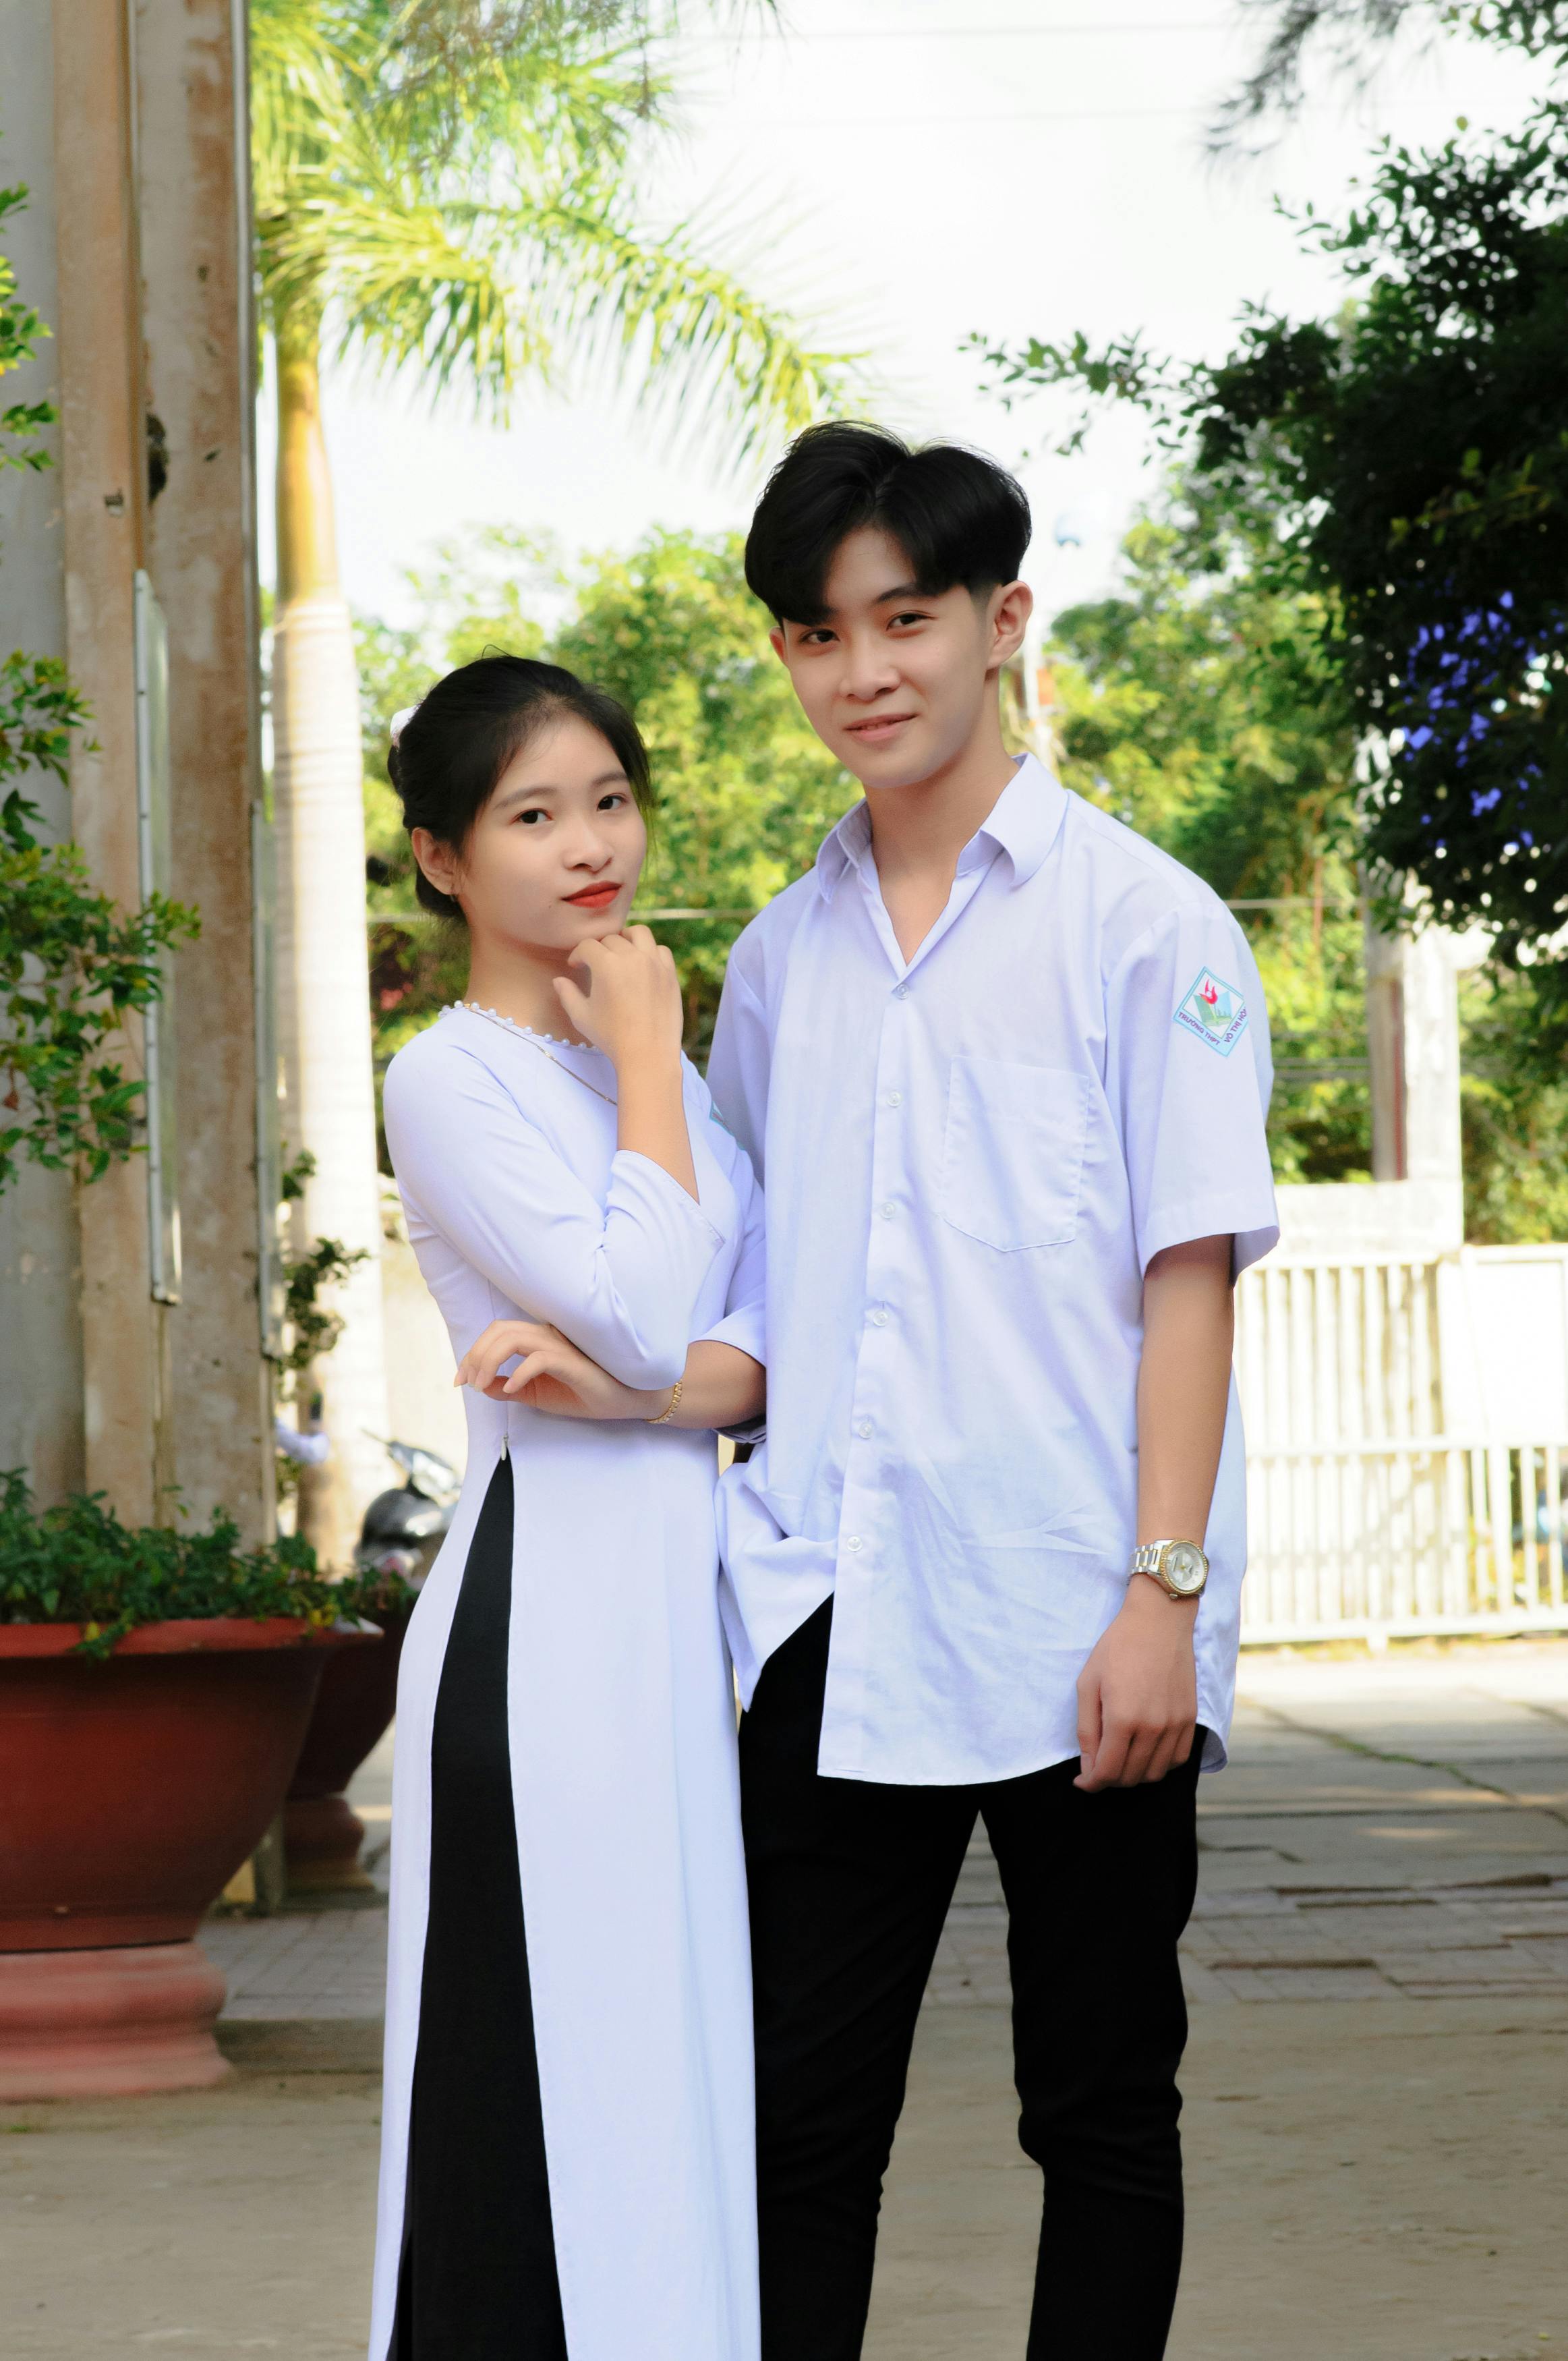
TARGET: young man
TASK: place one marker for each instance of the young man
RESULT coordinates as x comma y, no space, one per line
1004,1069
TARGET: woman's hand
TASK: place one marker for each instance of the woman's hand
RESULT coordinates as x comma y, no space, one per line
631,1010
630,1006
552,1376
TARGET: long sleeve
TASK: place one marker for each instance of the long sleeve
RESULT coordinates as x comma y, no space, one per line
619,1278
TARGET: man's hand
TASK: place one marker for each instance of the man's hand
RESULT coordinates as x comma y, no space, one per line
1137,1695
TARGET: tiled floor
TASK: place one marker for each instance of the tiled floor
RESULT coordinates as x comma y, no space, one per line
316,1963
1382,1828
1374,2158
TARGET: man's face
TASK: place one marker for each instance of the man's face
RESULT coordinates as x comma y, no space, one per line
896,683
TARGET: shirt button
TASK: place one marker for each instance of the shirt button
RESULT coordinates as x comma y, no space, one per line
853,1543
865,1430
893,1098
879,1318
887,1212
901,992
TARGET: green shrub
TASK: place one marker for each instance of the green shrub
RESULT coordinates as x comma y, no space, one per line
76,1563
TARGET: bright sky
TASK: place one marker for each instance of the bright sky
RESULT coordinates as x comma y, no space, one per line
909,172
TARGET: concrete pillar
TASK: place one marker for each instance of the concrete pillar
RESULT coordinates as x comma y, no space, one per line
40,1367
127,119
194,180
1412,1028
1415,1205
1386,1051
102,479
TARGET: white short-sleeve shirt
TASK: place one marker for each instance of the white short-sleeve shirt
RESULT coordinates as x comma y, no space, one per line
969,1160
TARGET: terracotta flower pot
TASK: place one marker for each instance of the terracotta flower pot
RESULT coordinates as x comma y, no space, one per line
132,1790
322,1831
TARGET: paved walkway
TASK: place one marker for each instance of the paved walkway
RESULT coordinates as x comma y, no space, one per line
1386,1827
1382,1827
1378,1969
1377,2154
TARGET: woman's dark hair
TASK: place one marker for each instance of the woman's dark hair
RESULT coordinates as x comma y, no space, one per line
957,516
459,740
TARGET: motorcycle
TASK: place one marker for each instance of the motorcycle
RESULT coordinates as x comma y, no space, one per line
403,1528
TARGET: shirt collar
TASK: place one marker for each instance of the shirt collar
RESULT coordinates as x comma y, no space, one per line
1022,825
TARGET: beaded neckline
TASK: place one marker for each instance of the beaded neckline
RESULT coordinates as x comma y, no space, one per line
528,1032
541,1041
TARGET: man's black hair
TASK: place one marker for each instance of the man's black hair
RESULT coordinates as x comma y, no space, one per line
957,517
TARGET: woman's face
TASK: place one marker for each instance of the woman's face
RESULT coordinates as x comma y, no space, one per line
554,856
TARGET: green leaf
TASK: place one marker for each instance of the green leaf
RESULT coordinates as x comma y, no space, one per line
457,196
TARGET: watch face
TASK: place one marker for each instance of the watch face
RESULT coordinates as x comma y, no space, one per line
1186,1567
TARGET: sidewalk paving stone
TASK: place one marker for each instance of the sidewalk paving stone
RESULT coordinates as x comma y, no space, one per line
1378,1974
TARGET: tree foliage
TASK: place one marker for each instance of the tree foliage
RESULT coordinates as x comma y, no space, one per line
1409,459
1200,704
1219,724
21,332
1352,33
309,1329
72,964
453,186
1514,1110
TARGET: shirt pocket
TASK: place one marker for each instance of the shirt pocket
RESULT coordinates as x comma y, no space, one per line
1013,1166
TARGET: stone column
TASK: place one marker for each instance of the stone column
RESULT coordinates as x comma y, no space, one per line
1412,1028
128,120
103,487
194,182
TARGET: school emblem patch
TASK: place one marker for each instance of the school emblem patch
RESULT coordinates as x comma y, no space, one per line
1215,1011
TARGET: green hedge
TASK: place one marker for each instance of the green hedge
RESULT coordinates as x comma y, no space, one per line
76,1563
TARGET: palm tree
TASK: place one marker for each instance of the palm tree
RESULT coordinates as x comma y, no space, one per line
443,189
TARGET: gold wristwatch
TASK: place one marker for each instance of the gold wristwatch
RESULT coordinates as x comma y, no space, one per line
1181,1568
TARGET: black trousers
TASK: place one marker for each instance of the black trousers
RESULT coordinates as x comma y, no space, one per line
477,2279
849,1885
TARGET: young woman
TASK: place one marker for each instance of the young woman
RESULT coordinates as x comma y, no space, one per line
567,2169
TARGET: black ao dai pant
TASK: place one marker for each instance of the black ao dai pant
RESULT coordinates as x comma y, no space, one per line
478,2280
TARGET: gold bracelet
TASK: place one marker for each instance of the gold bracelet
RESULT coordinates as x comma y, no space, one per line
668,1412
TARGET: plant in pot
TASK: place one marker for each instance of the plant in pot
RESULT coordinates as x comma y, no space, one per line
322,1831
155,1682
155,1687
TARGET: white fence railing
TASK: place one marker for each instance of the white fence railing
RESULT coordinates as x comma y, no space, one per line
1391,1490
1396,1538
